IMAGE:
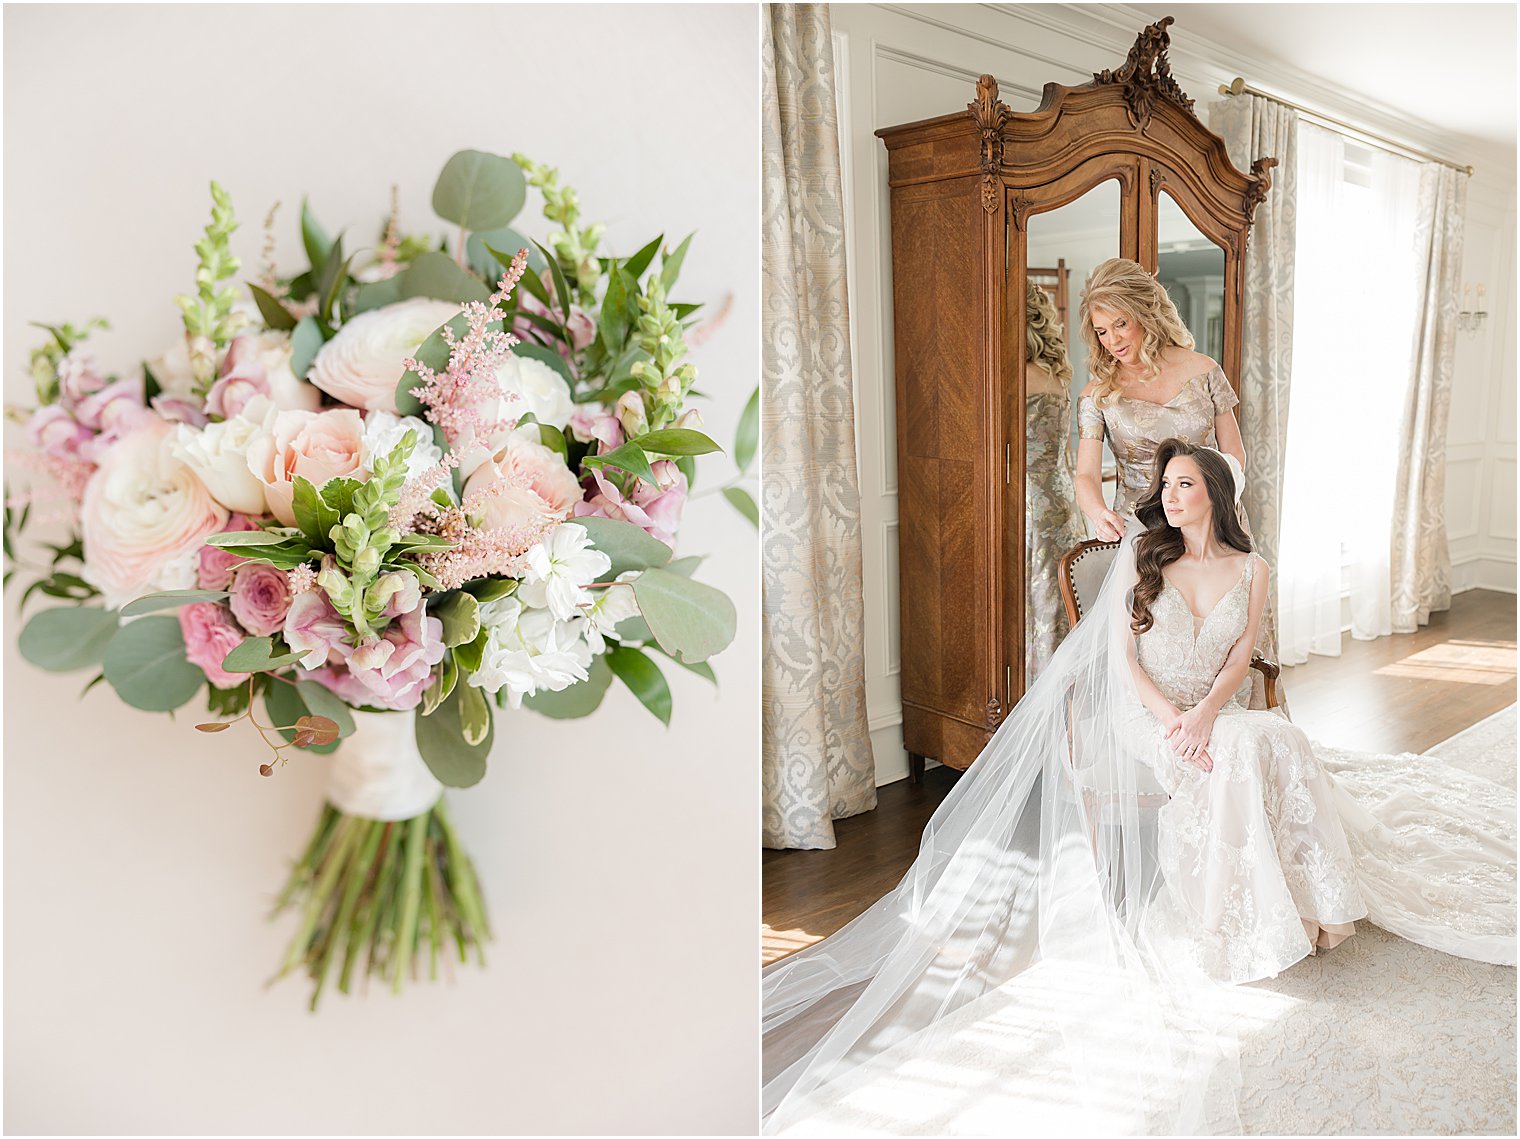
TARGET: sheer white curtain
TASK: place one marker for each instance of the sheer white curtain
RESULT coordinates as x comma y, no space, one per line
1353,336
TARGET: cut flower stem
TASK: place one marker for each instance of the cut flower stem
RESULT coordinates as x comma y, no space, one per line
381,890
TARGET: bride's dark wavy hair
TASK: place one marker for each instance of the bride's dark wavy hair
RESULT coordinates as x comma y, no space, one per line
1161,544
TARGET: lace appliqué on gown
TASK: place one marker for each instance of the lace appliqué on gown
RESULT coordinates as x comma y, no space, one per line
1254,848
1052,524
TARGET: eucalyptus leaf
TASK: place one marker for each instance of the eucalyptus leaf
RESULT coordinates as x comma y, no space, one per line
170,599
436,275
743,503
643,678
479,191
440,739
256,654
377,294
629,547
145,662
275,315
701,667
67,637
676,441
322,702
691,621
576,701
685,566
305,342
748,435
433,352
284,706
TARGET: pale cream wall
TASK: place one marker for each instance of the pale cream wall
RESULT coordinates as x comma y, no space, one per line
618,858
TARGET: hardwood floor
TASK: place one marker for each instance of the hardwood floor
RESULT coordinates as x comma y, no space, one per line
1401,693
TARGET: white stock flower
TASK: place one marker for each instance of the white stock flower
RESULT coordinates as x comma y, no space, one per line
382,431
361,365
560,566
614,604
218,454
529,650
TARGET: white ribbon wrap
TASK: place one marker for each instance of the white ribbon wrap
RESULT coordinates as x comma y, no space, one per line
378,773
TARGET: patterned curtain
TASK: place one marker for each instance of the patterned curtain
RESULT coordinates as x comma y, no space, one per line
1421,558
816,749
1252,128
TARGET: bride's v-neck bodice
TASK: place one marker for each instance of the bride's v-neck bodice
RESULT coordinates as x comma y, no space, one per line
1183,653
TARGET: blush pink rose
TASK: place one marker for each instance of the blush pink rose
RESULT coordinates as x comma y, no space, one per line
315,445
535,485
215,565
210,634
654,509
260,598
144,517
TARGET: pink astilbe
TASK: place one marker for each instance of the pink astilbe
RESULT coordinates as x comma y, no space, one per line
454,397
56,493
477,552
416,495
303,579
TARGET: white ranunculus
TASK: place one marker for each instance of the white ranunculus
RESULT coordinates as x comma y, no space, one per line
144,511
361,365
560,566
383,431
528,651
218,454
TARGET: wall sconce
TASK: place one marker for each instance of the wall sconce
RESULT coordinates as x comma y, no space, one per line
1471,318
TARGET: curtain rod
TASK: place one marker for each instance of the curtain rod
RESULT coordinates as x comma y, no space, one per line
1239,86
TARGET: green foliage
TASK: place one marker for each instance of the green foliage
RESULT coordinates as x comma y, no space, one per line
460,614
453,761
643,678
743,503
284,705
747,438
170,599
691,621
676,441
275,315
66,638
45,360
322,702
435,275
145,662
629,457
314,238
629,547
576,701
574,245
479,191
305,342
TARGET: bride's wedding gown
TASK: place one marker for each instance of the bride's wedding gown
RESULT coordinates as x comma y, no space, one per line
1078,856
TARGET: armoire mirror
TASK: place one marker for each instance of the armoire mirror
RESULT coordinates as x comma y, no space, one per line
995,214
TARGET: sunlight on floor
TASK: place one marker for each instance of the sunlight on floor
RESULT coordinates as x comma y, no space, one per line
778,943
1051,1051
1458,662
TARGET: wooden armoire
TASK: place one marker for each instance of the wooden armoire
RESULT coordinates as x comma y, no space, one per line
966,190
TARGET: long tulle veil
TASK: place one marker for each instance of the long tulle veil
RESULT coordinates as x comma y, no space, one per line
1033,878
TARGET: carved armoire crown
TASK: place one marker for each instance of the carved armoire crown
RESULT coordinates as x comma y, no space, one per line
966,189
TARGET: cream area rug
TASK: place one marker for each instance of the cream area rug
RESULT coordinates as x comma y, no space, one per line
1379,1036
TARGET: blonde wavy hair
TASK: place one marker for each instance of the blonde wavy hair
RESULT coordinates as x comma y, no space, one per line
1123,286
1044,338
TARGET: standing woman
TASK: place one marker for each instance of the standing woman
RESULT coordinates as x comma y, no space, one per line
1052,525
1148,385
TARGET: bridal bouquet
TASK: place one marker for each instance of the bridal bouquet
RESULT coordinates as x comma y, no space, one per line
369,505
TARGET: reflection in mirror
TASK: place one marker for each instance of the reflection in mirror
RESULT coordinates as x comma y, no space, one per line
1064,245
1191,269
